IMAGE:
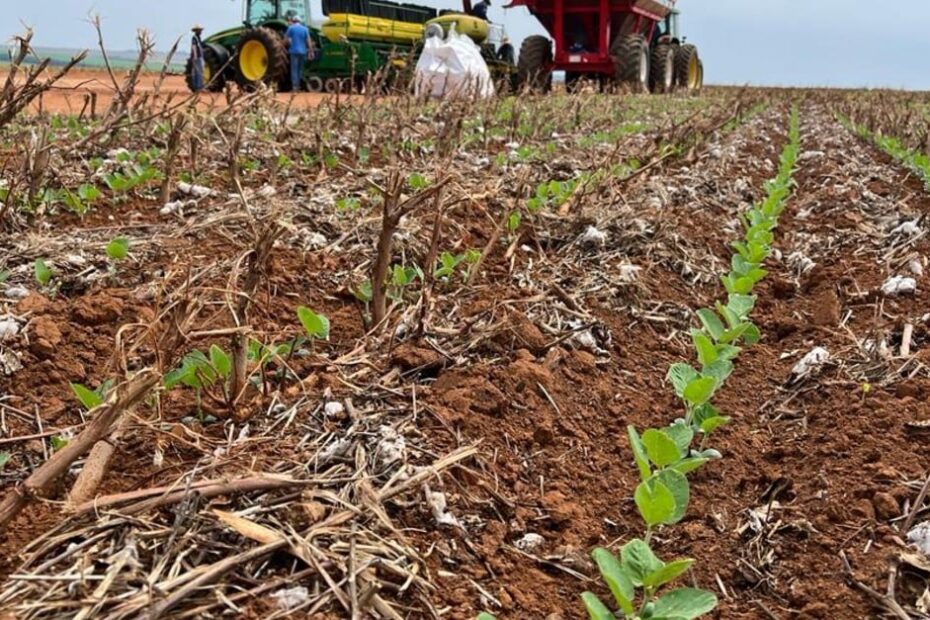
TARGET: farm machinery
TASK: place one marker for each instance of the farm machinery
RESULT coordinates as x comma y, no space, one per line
357,39
632,42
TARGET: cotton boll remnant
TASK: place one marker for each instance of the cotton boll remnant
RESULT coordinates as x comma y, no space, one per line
437,503
290,598
811,363
629,273
333,409
907,229
916,267
8,329
529,542
899,285
593,238
16,292
392,447
919,536
267,191
197,191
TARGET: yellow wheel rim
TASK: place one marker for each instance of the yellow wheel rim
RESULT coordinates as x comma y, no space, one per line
207,74
253,61
694,73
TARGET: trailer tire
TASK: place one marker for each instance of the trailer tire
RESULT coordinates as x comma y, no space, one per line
315,84
215,59
261,58
534,67
662,69
631,59
688,68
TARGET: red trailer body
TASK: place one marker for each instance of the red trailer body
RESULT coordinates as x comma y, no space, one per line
598,22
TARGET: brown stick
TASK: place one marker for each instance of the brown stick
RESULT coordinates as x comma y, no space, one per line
125,397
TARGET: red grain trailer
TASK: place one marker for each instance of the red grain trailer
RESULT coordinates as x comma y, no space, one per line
633,42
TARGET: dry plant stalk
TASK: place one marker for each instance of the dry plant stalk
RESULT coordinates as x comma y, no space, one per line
258,264
393,208
178,125
17,94
124,397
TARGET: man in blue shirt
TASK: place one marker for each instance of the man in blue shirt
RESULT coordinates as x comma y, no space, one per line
298,46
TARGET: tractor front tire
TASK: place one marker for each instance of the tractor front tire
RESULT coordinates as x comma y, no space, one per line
215,61
688,68
261,58
662,69
631,59
534,67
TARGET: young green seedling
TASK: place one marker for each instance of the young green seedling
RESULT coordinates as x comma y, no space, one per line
118,249
43,272
92,398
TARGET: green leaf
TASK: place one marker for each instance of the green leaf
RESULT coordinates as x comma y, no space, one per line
417,181
86,396
680,375
58,443
667,573
720,371
686,466
751,336
220,361
661,448
364,292
316,325
43,272
706,351
88,193
175,378
678,486
711,424
733,320
486,616
741,305
118,248
684,604
727,352
639,561
4,459
4,275
682,435
615,578
513,221
655,502
700,390
711,322
596,609
639,454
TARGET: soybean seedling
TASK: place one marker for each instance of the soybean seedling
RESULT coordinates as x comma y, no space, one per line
639,574
92,398
202,374
316,325
42,272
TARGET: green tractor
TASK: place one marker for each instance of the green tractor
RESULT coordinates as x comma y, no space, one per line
349,45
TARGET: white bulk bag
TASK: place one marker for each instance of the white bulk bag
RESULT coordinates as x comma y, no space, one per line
452,68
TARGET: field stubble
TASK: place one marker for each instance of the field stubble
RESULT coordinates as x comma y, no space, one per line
467,451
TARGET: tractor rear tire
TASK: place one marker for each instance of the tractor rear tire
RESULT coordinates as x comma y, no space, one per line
631,59
261,58
688,68
662,69
534,67
215,61
701,74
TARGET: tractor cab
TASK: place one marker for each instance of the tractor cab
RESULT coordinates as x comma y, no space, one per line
261,12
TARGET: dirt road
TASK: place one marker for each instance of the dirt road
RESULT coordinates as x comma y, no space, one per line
81,87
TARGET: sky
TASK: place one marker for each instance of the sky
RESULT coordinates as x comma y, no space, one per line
774,42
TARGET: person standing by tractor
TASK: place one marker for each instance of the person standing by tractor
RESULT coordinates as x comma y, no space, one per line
197,66
299,48
480,10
